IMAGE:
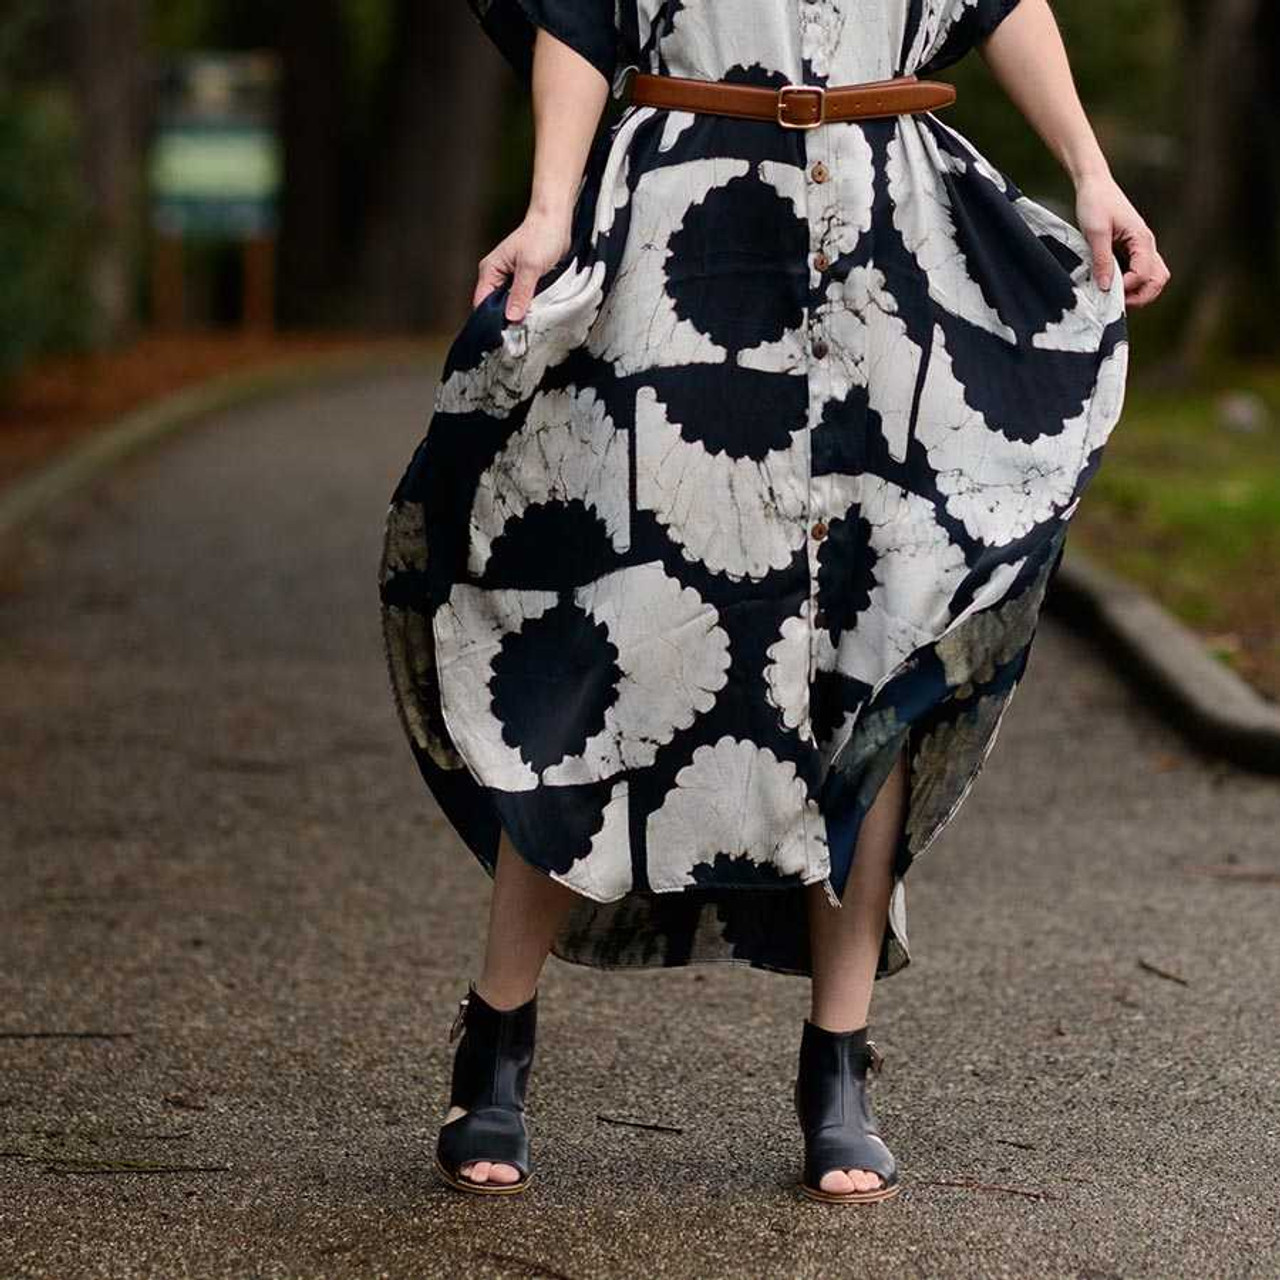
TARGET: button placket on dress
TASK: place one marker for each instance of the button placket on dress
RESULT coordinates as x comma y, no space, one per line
821,204
822,196
815,349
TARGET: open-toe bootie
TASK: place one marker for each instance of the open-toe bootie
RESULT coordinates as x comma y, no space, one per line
834,1109
490,1077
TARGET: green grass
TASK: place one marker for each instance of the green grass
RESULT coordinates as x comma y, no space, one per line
1189,508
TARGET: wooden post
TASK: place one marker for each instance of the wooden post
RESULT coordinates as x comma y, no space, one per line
168,283
259,273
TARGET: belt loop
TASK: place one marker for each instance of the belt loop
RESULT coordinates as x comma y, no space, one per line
622,81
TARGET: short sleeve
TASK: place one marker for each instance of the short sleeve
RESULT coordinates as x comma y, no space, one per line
972,21
989,14
586,26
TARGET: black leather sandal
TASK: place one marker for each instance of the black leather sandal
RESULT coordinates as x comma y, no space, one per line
490,1077
835,1114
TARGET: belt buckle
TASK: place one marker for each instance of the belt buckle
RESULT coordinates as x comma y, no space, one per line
818,90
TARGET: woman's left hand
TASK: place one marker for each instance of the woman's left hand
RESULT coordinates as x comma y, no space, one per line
1107,218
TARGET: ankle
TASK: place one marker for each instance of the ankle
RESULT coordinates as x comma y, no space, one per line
839,1026
503,998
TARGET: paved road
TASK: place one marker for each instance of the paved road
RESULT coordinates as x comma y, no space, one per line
216,850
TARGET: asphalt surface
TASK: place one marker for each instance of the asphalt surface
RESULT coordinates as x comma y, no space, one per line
215,851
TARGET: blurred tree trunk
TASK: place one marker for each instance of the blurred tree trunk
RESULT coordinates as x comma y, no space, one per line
416,264
1225,253
105,47
313,111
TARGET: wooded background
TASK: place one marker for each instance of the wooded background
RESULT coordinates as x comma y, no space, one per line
406,144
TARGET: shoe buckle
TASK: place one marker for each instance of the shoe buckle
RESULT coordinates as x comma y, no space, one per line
789,93
875,1057
459,1018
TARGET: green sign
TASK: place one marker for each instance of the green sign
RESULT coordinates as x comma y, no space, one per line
215,165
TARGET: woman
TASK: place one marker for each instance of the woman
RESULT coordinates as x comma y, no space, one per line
721,559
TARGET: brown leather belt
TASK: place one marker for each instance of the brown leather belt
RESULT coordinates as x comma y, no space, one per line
793,106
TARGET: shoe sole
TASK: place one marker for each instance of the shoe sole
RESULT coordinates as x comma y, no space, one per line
482,1188
874,1196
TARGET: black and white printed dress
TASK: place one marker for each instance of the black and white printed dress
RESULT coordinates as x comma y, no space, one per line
768,484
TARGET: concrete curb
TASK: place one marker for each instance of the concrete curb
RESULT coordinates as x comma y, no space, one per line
1211,705
31,495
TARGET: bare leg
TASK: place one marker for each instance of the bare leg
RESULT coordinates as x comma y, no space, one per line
525,910
846,940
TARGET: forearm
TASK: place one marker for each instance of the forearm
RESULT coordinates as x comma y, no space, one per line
568,98
1029,61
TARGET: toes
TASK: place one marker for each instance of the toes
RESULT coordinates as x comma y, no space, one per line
836,1180
864,1179
490,1171
842,1181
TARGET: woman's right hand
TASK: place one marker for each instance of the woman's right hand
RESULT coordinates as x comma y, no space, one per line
569,94
527,254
